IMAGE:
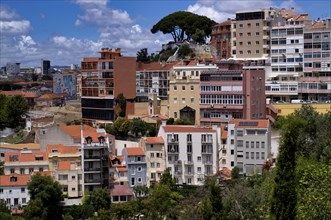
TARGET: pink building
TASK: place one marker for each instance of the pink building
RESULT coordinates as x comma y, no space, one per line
228,94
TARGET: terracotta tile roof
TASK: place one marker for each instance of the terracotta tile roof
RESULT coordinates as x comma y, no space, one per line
187,128
135,151
60,148
25,157
262,123
52,96
224,133
154,140
318,25
19,92
121,190
225,173
225,23
64,165
74,130
122,169
153,66
29,146
21,180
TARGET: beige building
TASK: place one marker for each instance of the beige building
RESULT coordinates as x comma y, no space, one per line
250,34
184,89
155,158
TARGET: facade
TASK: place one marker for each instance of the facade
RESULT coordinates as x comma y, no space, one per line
227,94
25,162
65,82
286,56
155,160
13,68
315,84
152,78
45,67
249,145
136,163
191,152
250,33
103,79
118,172
184,89
66,167
220,42
14,190
95,159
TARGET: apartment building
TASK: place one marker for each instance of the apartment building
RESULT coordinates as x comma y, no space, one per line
286,55
155,160
227,94
220,42
14,190
118,171
191,152
249,145
184,89
136,163
66,82
103,79
25,162
152,78
250,34
315,84
95,158
66,168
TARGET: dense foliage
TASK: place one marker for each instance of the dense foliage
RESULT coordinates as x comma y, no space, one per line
184,25
11,111
120,105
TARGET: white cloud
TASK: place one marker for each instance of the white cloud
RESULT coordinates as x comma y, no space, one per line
6,14
220,10
14,27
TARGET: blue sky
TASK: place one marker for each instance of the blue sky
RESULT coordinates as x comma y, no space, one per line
65,31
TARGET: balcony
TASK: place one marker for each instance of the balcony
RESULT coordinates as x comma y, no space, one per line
97,181
92,169
188,174
95,145
173,152
207,162
178,173
92,157
207,152
178,162
188,162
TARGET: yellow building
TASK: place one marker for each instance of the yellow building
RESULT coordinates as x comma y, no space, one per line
183,100
286,109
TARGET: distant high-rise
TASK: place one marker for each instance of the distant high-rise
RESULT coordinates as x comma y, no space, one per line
13,68
45,66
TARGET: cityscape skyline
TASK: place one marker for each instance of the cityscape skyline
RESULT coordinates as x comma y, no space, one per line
66,31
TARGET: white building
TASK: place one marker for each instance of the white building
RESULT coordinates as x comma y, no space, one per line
191,152
13,190
25,162
249,145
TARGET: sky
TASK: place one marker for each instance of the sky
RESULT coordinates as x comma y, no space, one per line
66,31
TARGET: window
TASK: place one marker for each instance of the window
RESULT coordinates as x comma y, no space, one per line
23,200
240,25
22,190
192,100
139,180
30,170
257,24
252,144
22,171
252,155
175,114
232,152
192,88
41,169
1,190
257,144
158,165
257,33
247,155
183,100
257,51
183,88
73,189
175,100
249,43
262,155
139,169
12,170
153,164
257,155
63,177
262,144
249,34
247,144
199,169
199,159
232,163
158,155
65,188
249,52
175,87
257,42
189,148
152,155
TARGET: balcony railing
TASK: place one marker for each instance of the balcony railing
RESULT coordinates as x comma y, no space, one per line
92,169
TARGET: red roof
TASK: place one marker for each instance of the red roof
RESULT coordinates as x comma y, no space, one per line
64,165
154,140
60,148
224,133
53,96
19,92
74,130
122,169
153,66
135,151
21,180
187,128
121,190
262,123
25,157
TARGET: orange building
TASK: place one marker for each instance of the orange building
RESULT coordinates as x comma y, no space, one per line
102,80
221,40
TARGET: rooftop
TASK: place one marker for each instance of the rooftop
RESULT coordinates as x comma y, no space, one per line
122,190
135,151
14,180
60,148
154,140
187,128
25,156
240,123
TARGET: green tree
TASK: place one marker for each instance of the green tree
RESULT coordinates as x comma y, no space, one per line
313,190
98,199
183,25
16,107
184,51
45,197
170,121
143,56
80,211
138,127
120,127
183,122
167,179
3,112
235,173
3,206
121,105
283,203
